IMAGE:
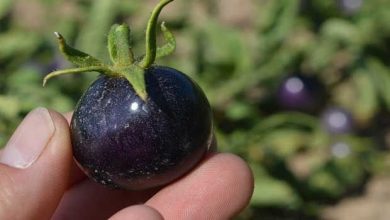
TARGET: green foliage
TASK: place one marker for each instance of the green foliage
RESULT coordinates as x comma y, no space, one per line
299,166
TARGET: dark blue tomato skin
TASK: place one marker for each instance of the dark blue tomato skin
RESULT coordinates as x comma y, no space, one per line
122,141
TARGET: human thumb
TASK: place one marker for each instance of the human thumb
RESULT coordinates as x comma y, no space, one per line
35,166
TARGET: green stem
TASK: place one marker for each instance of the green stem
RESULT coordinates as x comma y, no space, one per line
151,30
99,69
284,118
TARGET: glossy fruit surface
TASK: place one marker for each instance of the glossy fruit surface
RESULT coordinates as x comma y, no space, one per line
122,141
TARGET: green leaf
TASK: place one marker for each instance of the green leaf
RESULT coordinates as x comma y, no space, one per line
170,43
9,106
287,118
324,184
341,31
286,142
135,75
5,6
272,192
366,103
17,44
119,45
75,56
380,77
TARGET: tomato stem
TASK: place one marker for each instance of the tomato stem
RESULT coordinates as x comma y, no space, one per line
99,69
150,43
119,48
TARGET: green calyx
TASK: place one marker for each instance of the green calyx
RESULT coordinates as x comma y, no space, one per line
123,62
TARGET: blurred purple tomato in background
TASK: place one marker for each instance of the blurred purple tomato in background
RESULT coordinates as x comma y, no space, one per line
300,92
350,6
337,120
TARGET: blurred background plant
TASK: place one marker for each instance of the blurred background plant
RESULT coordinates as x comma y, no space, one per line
300,88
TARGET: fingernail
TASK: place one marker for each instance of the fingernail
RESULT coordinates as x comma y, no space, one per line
29,140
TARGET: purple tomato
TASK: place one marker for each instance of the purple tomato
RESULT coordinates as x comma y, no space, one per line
123,141
340,150
139,125
350,6
337,120
299,92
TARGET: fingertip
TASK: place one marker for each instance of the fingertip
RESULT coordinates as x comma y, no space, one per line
232,183
59,147
241,178
137,212
58,118
29,139
68,116
224,180
37,167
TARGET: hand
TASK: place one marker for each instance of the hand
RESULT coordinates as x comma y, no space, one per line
39,180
